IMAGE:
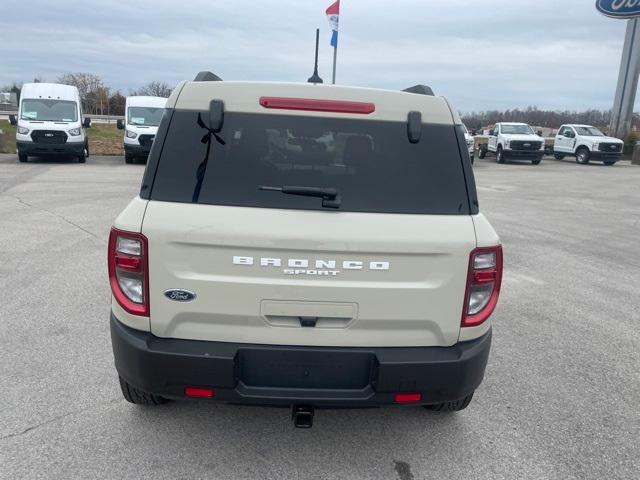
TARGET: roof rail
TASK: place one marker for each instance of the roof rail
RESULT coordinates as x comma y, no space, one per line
205,76
420,89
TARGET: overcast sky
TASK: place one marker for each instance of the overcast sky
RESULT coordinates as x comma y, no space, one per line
557,54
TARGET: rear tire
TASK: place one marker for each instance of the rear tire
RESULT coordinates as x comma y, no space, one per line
536,161
482,153
23,158
582,156
500,155
609,163
139,397
453,406
558,156
129,159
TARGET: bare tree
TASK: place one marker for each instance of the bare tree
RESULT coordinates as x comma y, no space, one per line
154,89
93,93
539,118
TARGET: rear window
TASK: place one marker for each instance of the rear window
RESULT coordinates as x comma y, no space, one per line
372,164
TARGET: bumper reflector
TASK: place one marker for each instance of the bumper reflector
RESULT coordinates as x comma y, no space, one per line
199,392
407,397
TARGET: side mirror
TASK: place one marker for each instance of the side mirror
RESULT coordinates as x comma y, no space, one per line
216,115
86,123
567,134
539,132
491,133
120,124
13,120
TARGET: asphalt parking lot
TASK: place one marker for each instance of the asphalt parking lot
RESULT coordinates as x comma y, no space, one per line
559,400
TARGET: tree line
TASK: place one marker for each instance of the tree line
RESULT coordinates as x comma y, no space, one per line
97,98
541,118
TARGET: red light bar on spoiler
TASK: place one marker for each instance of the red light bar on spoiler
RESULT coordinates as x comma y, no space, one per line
315,105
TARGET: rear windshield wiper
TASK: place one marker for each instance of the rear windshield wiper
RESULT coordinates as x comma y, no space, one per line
330,196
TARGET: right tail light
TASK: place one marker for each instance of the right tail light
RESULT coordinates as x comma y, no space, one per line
483,285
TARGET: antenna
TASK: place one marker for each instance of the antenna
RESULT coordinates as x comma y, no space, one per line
315,78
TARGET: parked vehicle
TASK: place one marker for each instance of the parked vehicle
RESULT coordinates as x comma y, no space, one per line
587,143
50,122
304,245
142,117
514,141
470,141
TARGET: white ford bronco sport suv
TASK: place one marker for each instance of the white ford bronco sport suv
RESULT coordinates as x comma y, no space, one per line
304,245
514,141
587,143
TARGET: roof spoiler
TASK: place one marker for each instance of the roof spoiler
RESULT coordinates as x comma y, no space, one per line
207,77
420,90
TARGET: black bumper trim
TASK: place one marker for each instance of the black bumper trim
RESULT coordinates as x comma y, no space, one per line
42,149
318,376
523,154
136,150
597,155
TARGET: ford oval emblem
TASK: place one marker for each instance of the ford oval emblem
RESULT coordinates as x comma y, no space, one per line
619,8
179,295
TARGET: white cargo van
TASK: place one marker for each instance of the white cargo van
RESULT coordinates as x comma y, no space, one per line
50,122
140,125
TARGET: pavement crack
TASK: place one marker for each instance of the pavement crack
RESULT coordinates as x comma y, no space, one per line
61,217
59,417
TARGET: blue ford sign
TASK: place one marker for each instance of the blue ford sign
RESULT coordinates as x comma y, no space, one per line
619,8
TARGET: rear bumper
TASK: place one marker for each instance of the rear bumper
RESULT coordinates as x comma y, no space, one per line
37,149
287,375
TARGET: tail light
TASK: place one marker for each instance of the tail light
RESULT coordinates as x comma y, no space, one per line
129,271
483,285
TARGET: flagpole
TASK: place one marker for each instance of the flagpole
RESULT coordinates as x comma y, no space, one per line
335,58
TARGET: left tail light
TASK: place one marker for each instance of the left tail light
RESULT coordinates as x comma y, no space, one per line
129,271
484,279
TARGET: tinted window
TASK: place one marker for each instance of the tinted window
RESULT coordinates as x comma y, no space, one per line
46,110
372,164
589,131
517,129
147,116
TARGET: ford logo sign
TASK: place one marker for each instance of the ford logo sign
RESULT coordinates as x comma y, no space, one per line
619,8
179,295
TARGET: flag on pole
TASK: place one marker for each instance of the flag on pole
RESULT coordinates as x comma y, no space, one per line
333,14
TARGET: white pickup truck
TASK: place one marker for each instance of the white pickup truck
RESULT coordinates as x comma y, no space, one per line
514,141
469,141
586,143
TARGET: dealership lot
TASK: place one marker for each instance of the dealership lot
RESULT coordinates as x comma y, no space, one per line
558,401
